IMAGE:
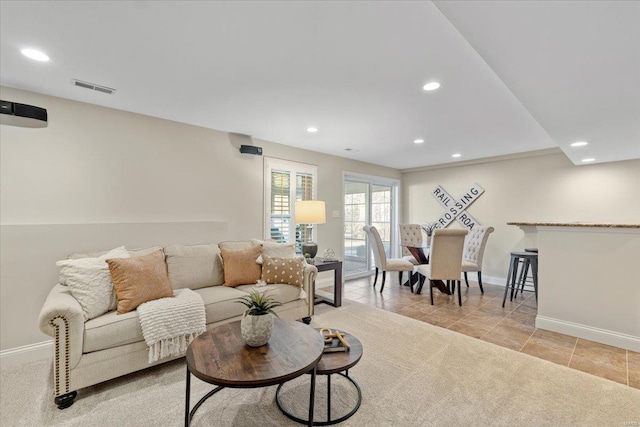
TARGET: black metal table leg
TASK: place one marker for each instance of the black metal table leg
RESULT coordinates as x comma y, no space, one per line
329,420
187,419
328,397
312,396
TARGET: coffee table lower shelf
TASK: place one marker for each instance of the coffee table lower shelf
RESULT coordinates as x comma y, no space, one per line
329,421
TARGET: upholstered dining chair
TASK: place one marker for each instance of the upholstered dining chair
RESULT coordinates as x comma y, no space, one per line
474,245
382,262
445,259
410,234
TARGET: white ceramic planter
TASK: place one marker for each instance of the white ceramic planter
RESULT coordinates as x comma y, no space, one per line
256,330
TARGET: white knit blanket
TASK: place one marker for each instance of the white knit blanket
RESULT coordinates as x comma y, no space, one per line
170,324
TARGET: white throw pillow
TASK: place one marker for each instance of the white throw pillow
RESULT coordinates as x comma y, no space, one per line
275,250
90,283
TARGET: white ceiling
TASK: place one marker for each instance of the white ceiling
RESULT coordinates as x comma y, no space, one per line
515,77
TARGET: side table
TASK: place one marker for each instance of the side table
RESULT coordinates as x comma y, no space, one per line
326,265
329,364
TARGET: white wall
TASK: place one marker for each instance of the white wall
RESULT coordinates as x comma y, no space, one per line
99,165
539,188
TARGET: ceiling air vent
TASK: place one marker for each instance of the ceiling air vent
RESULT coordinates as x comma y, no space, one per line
93,86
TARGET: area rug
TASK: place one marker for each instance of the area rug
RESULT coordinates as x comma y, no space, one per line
411,374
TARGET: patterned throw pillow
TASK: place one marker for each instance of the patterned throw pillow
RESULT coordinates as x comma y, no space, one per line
89,281
289,271
240,266
138,280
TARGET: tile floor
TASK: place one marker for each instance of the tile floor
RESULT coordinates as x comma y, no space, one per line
482,317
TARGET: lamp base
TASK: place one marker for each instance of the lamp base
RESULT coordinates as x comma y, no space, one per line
309,250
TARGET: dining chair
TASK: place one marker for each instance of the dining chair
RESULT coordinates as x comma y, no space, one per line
410,235
382,262
445,259
474,245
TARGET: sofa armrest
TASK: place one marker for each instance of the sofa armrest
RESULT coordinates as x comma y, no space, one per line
310,274
61,317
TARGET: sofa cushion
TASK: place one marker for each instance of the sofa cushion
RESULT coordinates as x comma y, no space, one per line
289,271
111,330
235,245
138,280
280,292
240,266
194,266
220,302
90,282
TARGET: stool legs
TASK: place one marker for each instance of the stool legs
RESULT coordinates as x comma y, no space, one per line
511,277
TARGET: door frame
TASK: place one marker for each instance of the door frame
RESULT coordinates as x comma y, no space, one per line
395,207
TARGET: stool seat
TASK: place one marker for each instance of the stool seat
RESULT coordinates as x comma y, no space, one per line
525,254
528,259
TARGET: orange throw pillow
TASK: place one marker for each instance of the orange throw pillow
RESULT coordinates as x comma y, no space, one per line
138,280
240,266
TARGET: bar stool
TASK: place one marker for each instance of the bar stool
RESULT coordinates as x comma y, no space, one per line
516,259
524,272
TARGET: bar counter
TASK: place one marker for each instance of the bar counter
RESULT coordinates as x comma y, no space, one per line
589,280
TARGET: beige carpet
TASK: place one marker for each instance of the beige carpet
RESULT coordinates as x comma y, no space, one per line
411,374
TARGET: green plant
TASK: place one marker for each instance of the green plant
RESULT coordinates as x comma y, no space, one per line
259,304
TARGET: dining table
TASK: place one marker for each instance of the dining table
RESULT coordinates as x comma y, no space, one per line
421,253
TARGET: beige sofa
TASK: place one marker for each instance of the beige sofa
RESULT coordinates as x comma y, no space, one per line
112,345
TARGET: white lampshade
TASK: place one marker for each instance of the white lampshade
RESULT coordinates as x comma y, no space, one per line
310,212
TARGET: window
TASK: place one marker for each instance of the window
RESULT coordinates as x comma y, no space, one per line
285,183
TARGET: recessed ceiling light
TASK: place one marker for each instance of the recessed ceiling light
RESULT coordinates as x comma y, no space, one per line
590,159
418,141
35,54
456,155
312,130
431,86
579,144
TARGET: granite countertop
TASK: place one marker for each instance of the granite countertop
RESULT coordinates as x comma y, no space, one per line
573,224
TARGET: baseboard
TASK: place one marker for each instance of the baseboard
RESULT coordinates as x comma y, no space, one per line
490,280
26,353
603,336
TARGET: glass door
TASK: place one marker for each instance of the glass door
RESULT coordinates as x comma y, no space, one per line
366,203
356,216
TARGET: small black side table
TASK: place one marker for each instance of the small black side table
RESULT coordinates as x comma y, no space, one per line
336,266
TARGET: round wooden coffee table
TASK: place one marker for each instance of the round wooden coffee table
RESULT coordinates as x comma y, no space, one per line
332,363
219,356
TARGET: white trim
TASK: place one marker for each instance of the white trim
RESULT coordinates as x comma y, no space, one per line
603,336
26,353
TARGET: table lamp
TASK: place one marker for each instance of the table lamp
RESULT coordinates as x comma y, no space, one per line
310,212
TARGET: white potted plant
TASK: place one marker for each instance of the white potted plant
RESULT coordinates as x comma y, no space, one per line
257,322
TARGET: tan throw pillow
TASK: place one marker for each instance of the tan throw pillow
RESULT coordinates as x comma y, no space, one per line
240,266
138,280
289,271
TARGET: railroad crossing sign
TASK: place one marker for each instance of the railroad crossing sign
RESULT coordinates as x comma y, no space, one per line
456,209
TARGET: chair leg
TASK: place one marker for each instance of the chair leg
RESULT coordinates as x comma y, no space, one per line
479,281
421,280
431,291
400,278
376,279
411,281
384,277
509,274
459,294
466,280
